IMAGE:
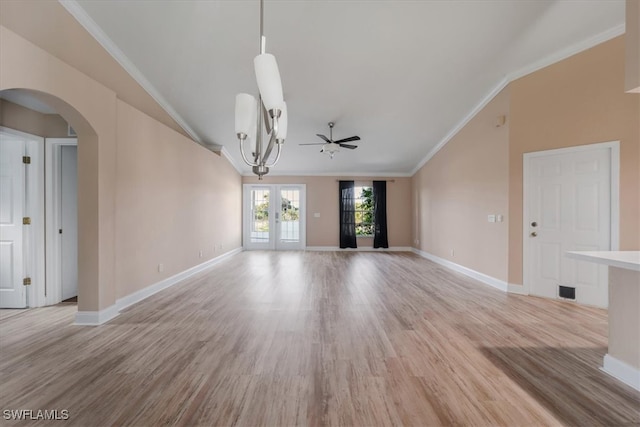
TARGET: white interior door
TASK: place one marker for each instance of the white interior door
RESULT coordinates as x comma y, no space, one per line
69,220
12,201
290,220
567,208
274,217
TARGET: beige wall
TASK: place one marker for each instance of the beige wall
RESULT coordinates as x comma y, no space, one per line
49,26
632,46
174,199
19,118
145,193
459,187
577,101
322,198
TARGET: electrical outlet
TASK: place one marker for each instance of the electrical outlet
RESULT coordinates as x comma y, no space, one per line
417,241
160,268
200,254
499,218
453,252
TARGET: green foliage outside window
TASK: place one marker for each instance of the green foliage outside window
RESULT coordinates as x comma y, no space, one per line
364,211
261,213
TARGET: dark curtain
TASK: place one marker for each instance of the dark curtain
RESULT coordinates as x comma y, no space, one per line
347,215
380,214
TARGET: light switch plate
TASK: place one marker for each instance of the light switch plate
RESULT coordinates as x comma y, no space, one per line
491,218
316,215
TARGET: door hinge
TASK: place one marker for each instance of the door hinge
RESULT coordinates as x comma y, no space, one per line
26,160
26,220
26,281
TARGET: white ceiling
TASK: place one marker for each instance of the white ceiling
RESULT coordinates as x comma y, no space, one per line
403,75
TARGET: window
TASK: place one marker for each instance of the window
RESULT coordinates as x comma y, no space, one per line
364,210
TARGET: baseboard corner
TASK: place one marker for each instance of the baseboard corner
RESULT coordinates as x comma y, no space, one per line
621,371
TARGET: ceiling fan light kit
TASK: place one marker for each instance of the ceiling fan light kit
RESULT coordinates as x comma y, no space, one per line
331,147
249,112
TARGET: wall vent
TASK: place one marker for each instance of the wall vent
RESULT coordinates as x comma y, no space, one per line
566,292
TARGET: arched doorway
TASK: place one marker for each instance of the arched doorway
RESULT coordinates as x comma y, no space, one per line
87,136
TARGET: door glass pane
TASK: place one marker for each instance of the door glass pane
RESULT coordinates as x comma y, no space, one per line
290,215
260,216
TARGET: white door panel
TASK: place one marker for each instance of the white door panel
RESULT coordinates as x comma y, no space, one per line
12,199
274,217
569,208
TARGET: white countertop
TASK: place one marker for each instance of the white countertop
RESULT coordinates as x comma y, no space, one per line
621,259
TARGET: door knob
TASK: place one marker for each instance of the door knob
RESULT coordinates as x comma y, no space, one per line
533,234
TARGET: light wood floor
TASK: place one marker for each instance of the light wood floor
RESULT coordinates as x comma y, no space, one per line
319,338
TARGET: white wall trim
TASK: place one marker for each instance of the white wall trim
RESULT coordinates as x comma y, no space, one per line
621,371
101,37
95,318
517,289
225,153
486,279
567,52
361,249
510,77
124,302
461,124
338,174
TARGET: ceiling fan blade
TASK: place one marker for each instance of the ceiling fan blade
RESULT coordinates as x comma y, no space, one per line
314,143
349,146
351,138
324,137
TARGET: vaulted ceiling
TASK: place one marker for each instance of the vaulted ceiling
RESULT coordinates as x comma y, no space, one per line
403,75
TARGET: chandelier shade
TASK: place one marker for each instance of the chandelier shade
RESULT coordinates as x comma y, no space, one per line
283,122
269,111
268,79
246,112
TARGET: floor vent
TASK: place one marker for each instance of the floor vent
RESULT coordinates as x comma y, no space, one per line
567,292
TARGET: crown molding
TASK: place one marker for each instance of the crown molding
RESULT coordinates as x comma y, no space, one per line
101,37
567,52
339,174
510,77
224,152
461,124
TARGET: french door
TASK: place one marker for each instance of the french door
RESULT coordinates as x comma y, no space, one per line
274,217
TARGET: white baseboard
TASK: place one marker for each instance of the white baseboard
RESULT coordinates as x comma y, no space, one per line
363,249
94,318
622,371
491,281
144,293
517,289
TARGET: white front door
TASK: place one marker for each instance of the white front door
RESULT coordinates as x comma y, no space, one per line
567,208
12,201
274,217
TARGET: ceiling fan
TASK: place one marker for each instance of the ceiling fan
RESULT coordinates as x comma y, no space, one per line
330,147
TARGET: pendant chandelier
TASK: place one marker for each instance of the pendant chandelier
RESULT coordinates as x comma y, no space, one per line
269,110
